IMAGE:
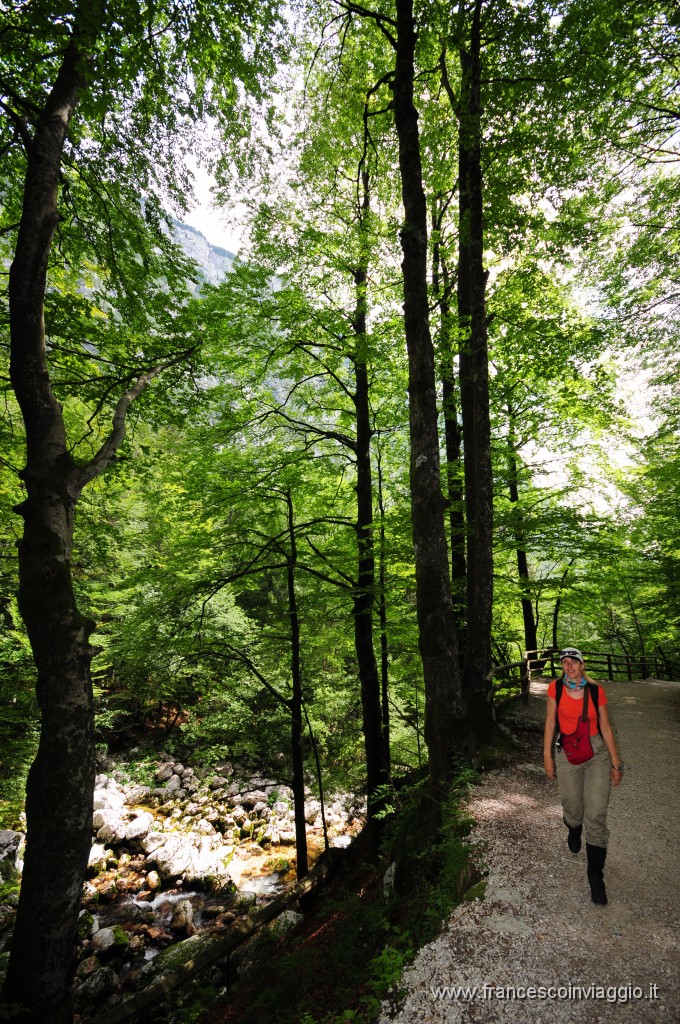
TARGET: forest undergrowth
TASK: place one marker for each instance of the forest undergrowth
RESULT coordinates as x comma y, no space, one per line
359,932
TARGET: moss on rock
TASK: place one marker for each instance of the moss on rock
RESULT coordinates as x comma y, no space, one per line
121,939
85,922
475,892
170,959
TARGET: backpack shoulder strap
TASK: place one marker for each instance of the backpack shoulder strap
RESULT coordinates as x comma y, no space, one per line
559,686
584,709
592,688
595,697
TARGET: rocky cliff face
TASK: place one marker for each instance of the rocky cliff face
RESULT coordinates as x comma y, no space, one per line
214,261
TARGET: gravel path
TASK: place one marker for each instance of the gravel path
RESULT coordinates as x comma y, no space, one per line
536,925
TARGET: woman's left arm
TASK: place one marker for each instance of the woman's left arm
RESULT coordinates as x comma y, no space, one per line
610,743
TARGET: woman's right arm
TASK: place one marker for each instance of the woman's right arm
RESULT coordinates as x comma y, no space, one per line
548,733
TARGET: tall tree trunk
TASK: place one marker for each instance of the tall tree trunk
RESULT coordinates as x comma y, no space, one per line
530,632
558,603
382,611
474,389
441,287
295,703
436,625
60,782
530,624
364,598
61,779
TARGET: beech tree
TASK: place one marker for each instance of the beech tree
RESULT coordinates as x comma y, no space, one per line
495,69
437,635
472,32
83,90
438,638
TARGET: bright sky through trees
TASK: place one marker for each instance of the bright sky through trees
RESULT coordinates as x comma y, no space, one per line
222,228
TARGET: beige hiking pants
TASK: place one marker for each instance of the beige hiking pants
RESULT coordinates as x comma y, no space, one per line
584,791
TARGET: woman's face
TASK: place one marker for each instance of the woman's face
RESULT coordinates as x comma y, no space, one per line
572,668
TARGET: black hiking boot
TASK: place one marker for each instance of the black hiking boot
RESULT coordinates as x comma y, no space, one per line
596,858
574,837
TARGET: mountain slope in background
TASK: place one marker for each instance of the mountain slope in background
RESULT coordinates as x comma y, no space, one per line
214,261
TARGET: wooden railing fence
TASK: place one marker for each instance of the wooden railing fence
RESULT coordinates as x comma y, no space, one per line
513,679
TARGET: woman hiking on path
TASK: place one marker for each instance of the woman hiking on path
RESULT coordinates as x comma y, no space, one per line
587,761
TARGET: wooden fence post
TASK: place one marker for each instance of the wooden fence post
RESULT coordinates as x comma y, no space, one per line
524,681
629,669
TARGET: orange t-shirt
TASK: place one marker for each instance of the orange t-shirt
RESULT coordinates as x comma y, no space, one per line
570,708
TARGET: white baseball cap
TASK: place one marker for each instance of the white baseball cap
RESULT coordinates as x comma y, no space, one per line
571,652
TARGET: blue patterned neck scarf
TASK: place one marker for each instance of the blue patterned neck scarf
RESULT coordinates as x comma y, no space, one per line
574,684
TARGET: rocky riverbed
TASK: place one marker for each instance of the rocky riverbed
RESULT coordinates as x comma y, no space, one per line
189,854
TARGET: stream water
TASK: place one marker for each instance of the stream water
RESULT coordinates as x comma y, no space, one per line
253,877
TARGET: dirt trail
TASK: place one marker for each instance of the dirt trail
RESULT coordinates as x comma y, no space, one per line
536,925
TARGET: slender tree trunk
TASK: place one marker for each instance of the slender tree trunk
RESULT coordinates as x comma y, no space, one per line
364,598
618,635
530,633
474,388
530,623
319,782
558,604
382,610
441,287
436,625
295,704
667,664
